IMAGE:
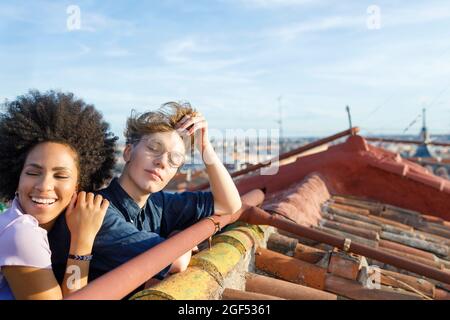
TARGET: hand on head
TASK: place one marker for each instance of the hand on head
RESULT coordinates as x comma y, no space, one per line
194,124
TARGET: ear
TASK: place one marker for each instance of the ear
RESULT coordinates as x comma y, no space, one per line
127,152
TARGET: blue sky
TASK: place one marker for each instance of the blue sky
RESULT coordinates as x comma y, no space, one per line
232,59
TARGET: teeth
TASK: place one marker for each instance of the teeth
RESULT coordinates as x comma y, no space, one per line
43,200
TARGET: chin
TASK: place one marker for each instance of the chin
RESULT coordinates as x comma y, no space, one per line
153,187
43,216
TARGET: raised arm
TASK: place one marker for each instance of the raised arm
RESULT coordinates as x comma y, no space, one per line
226,195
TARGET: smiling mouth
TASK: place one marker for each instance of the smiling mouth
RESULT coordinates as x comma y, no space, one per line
43,201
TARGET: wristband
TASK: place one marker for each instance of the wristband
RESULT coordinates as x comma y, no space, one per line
80,258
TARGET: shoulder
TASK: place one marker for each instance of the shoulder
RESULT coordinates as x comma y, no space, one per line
19,225
114,223
23,241
187,200
113,212
105,192
185,195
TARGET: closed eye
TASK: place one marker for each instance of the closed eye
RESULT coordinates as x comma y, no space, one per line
61,177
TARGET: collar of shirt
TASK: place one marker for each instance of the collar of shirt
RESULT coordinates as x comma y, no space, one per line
148,218
16,211
15,206
122,201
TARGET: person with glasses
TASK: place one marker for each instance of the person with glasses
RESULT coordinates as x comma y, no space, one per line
140,214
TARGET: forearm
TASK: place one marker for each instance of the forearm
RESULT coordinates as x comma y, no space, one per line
226,196
77,271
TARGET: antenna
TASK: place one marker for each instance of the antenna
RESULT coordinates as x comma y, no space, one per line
280,122
347,108
424,111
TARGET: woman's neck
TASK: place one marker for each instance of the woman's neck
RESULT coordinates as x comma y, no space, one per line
48,226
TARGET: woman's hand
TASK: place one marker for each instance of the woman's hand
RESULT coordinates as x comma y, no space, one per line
84,217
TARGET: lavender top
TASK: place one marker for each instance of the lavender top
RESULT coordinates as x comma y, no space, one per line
22,243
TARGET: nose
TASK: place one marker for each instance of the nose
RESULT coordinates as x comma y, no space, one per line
45,183
161,161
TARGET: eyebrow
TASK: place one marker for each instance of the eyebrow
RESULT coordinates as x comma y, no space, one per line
35,165
164,145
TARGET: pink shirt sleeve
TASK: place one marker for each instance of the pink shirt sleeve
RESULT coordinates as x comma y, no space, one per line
24,243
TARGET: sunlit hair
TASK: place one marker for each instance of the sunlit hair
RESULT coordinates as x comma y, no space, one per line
59,117
164,119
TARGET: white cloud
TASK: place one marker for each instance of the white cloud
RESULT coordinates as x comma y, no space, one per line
403,16
415,15
94,22
180,51
292,31
389,66
197,54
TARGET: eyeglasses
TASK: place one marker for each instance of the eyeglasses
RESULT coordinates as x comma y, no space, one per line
156,149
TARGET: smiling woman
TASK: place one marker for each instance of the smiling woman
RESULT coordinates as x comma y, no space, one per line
48,181
53,146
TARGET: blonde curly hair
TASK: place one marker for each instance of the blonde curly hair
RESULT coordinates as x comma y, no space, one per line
164,119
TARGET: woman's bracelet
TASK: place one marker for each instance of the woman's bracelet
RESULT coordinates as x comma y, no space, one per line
80,258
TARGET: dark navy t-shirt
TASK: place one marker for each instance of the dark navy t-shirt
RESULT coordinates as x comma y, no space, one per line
128,230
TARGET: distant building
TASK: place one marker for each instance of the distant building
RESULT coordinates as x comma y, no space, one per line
423,151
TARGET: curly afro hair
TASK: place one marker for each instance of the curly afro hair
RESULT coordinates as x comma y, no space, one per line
54,117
